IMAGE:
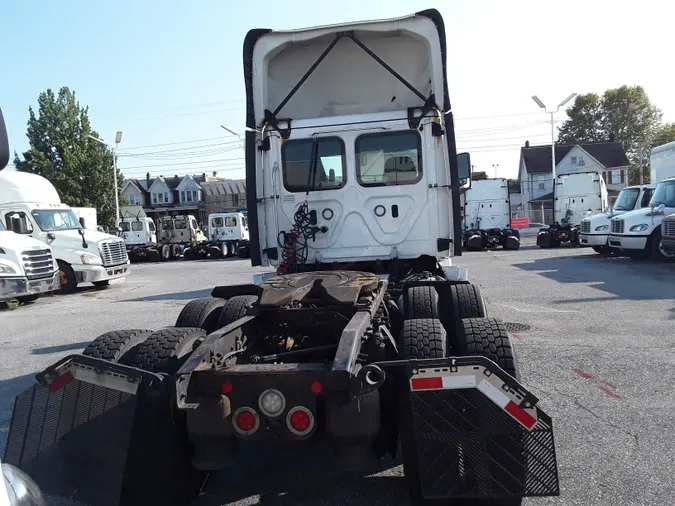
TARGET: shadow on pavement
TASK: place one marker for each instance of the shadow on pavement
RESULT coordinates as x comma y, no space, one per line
622,277
62,347
195,294
297,478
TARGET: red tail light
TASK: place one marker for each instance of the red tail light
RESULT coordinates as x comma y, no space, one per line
245,421
300,421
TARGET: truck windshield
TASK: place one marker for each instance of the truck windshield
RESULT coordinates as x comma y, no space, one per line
124,226
56,219
180,224
627,199
167,225
664,194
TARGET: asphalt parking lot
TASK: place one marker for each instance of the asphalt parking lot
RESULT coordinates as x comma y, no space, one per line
594,339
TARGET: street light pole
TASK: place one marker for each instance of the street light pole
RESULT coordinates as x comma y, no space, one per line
118,139
552,113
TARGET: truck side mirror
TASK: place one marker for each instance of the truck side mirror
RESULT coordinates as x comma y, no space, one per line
4,143
464,167
82,222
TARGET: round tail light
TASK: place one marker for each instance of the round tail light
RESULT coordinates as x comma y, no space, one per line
245,421
300,421
272,402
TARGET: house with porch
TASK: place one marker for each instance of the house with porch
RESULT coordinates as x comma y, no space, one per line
535,175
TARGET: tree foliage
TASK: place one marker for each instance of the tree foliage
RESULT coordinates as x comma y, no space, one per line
622,114
79,168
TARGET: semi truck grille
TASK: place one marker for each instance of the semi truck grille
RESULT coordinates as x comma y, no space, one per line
585,227
617,226
669,228
38,263
113,253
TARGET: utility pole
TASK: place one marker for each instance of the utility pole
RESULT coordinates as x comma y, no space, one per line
552,113
640,168
118,139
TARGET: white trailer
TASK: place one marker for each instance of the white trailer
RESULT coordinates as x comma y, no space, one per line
638,234
487,216
594,231
576,196
229,233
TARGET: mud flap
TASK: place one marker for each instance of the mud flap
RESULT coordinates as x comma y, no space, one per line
470,431
102,434
512,242
475,241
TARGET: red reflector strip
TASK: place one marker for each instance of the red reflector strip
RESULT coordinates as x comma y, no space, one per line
61,381
426,383
525,419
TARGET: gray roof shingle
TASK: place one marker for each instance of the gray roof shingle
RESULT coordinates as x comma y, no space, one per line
538,158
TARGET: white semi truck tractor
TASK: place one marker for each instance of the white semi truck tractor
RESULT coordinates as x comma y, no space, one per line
487,216
637,234
366,339
228,234
576,196
31,206
594,230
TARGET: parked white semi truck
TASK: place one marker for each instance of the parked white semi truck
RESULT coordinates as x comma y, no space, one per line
31,206
487,216
637,234
27,267
228,232
367,340
576,196
594,231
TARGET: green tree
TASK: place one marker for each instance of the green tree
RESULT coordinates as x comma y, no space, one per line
664,135
584,123
623,114
79,168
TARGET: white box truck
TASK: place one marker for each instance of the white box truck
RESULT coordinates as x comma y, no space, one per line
487,216
638,234
594,231
31,206
576,196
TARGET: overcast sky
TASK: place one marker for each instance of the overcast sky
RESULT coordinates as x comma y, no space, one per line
168,72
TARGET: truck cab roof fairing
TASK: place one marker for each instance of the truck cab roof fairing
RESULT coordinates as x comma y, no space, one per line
275,62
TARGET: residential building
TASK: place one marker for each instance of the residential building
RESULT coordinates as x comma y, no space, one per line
224,196
535,175
168,196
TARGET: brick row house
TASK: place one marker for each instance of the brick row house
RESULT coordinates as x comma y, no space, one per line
189,194
535,176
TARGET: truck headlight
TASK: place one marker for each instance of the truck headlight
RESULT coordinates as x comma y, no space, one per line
6,269
22,490
601,228
639,228
88,259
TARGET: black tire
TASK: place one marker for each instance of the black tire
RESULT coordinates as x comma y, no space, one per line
117,345
68,282
101,284
215,252
602,250
234,309
489,338
189,254
244,252
165,253
422,303
202,313
655,251
28,298
422,338
154,256
467,301
165,350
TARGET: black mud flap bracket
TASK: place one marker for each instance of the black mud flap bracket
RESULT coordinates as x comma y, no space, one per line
469,431
103,434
